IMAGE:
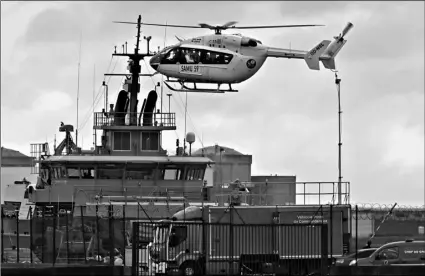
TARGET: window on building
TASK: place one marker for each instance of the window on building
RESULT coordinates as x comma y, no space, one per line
150,141
121,140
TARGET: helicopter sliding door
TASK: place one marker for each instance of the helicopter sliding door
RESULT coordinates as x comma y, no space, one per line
196,65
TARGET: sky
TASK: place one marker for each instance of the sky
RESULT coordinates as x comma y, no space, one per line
285,116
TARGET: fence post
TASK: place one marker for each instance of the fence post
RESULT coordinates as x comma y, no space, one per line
31,245
43,210
324,253
2,235
54,236
82,228
134,248
67,238
331,231
111,236
97,230
124,234
357,230
17,234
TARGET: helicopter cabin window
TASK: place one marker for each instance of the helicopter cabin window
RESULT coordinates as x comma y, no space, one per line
209,57
87,173
139,171
192,56
173,56
121,140
110,172
150,141
73,172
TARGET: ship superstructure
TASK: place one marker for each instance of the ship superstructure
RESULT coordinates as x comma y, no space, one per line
129,167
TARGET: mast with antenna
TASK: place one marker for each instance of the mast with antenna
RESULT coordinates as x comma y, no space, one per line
94,87
78,90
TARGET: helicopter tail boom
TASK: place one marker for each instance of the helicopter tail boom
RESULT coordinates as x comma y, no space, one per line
312,57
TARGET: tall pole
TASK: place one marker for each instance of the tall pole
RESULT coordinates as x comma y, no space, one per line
135,77
338,85
78,90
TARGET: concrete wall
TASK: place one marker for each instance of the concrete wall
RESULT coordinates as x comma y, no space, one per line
228,168
279,190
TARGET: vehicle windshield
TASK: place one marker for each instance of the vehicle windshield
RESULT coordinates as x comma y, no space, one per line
161,234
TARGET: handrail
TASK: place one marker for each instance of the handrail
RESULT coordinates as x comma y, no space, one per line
153,119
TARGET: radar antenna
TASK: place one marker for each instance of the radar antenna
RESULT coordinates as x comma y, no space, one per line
135,70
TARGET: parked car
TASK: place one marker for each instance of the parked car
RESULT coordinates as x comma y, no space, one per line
346,260
407,252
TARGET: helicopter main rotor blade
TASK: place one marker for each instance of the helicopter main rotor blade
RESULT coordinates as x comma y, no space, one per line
161,25
275,26
228,24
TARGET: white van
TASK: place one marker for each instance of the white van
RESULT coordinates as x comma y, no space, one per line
407,252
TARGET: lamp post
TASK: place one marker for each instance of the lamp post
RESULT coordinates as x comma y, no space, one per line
148,39
106,95
338,84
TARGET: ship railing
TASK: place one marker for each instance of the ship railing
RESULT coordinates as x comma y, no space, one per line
154,119
285,193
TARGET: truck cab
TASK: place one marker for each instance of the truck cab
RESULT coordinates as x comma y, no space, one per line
407,252
177,247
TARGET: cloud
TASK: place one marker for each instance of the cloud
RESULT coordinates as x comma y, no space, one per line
405,148
285,116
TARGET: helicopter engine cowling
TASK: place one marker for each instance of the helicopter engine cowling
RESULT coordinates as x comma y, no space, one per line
248,42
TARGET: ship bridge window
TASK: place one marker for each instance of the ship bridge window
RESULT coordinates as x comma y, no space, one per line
59,172
73,172
122,140
139,171
87,173
150,141
195,174
110,172
172,173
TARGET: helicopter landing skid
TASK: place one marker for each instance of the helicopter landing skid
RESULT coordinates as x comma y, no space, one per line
185,88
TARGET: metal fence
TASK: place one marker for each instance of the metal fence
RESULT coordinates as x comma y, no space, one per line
81,236
200,248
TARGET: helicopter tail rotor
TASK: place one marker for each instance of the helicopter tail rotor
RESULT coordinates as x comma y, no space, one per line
328,57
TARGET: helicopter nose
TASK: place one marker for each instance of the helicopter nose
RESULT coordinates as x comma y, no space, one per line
154,62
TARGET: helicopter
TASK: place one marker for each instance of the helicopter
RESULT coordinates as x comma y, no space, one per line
230,58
